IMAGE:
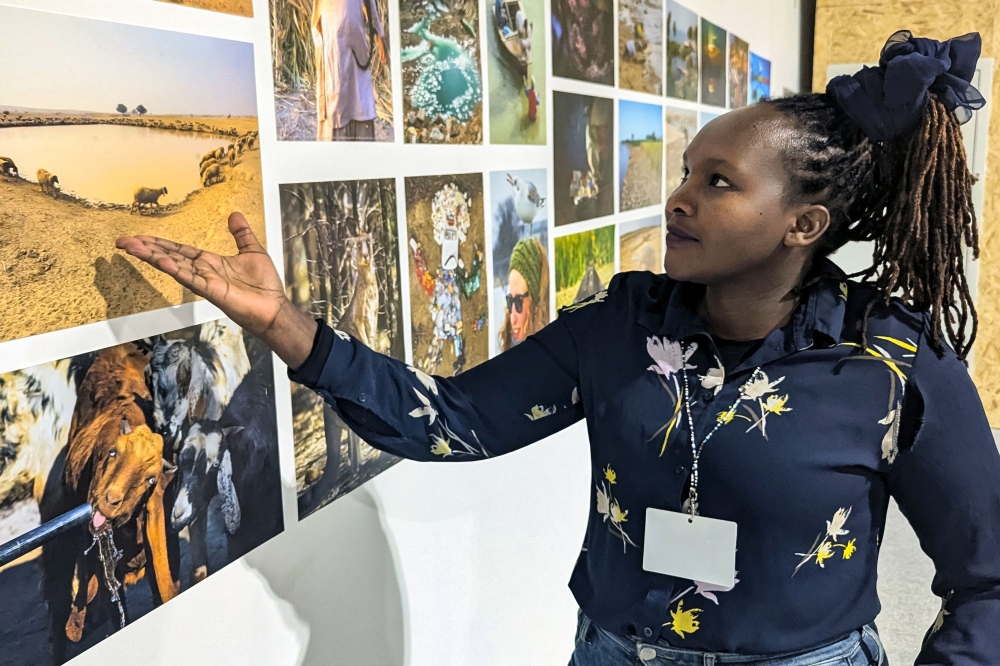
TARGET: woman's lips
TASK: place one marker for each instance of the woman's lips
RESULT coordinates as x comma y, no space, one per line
676,236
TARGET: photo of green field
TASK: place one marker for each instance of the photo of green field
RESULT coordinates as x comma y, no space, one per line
585,264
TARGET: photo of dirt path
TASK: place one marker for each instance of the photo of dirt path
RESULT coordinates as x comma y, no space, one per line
640,245
84,168
238,7
640,154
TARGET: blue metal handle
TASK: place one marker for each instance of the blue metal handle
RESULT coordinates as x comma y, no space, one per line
28,541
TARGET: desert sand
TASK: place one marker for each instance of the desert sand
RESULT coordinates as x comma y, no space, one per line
239,7
642,250
643,176
58,264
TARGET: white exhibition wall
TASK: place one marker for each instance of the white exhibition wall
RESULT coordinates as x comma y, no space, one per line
426,565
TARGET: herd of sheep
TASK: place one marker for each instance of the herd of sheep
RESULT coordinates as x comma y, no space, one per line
148,198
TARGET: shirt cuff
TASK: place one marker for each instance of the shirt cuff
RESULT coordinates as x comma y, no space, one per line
308,374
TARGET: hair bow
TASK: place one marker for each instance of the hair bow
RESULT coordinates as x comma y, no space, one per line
888,101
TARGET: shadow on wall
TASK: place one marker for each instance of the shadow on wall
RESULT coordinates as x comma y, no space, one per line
336,570
122,286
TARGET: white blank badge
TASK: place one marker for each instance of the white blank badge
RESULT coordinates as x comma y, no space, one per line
703,550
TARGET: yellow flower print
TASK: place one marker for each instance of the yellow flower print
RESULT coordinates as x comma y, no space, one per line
725,417
776,405
849,549
610,475
617,515
843,290
539,412
824,552
684,621
441,447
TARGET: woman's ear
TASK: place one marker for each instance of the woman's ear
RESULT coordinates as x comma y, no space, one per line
811,223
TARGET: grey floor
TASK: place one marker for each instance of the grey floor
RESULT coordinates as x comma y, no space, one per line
904,586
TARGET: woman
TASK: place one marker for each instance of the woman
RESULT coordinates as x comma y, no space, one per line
754,386
527,293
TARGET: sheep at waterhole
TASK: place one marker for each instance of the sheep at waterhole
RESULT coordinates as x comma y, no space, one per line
7,167
212,175
146,196
49,182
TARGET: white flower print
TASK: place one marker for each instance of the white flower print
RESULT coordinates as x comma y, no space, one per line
576,395
424,379
939,619
758,387
708,590
596,298
603,503
539,412
835,527
426,410
670,357
343,336
714,378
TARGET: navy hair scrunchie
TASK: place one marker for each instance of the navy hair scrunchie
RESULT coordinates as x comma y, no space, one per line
888,101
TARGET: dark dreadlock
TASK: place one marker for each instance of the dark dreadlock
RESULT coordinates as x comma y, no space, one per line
911,195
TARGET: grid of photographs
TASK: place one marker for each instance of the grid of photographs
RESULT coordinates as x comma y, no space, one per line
441,256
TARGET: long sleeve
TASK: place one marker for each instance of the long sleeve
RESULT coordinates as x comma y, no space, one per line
946,481
510,401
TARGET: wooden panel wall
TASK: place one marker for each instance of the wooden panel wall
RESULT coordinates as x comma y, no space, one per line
854,31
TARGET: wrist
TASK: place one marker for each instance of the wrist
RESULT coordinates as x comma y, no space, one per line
290,334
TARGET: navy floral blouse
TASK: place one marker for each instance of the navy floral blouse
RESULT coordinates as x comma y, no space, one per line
820,438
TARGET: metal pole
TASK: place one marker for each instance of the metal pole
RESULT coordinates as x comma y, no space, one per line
28,541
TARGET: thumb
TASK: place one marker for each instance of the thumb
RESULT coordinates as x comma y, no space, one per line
245,239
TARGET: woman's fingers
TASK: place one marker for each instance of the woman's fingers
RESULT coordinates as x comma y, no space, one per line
245,239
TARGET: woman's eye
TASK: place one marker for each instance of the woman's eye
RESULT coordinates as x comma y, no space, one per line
719,181
685,174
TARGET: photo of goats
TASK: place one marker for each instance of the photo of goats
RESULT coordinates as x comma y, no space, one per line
342,266
167,447
157,135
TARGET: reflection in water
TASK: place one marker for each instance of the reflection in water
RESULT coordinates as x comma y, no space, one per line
107,162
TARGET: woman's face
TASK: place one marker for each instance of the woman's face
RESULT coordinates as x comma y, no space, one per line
729,216
516,286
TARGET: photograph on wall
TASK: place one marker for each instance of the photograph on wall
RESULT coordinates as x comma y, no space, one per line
739,64
705,117
520,255
583,39
585,264
516,66
449,313
760,78
680,127
442,78
341,266
159,456
682,52
640,245
640,154
583,167
640,45
331,69
238,7
713,64
148,132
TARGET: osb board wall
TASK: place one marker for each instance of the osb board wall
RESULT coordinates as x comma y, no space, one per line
854,31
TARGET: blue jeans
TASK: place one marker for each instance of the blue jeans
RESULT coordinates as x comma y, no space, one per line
596,647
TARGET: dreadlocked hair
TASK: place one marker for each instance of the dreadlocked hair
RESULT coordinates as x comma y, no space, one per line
911,195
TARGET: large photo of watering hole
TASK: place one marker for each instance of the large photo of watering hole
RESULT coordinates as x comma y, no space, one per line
640,154
583,40
640,245
520,255
449,309
159,456
582,157
640,45
342,266
516,68
147,132
680,126
331,68
585,264
682,52
442,77
237,7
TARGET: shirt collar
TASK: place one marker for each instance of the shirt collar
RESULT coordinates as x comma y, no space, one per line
673,312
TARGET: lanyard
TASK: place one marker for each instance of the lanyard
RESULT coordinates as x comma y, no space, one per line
696,448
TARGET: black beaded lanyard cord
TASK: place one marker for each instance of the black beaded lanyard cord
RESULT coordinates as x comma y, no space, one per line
692,500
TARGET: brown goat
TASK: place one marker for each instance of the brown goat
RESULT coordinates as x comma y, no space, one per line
115,463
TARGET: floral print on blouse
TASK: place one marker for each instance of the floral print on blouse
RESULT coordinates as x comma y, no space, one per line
814,435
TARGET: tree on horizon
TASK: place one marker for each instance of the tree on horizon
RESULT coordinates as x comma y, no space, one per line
141,109
122,109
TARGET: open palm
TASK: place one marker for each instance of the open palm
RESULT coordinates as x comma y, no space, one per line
245,286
